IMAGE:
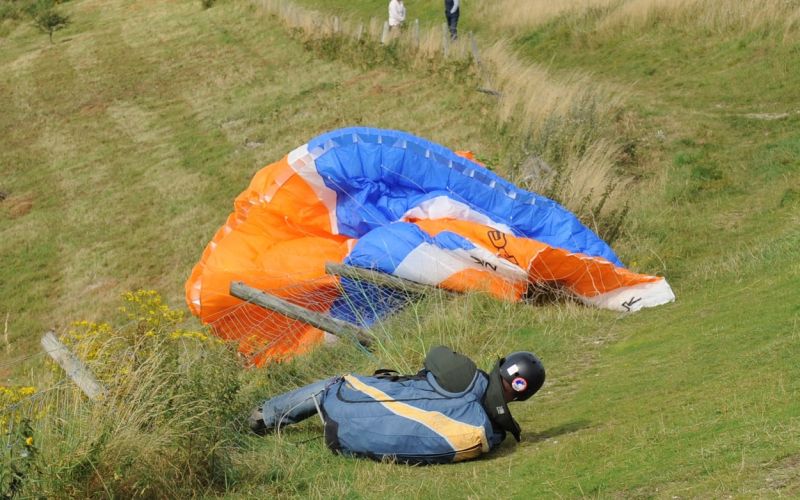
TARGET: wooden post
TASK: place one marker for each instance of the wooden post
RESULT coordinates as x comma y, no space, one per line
474,46
445,40
489,91
385,34
75,370
335,25
322,321
376,277
5,334
415,33
373,28
359,31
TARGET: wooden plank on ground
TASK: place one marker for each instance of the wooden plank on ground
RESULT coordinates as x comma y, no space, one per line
73,367
322,321
377,278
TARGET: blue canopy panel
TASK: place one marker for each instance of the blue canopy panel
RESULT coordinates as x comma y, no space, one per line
384,249
363,303
379,175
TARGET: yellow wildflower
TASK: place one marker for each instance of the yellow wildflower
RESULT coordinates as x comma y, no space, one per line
27,391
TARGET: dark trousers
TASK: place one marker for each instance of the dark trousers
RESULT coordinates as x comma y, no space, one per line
452,22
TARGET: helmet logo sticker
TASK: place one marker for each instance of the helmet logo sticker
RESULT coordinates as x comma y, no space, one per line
512,370
519,384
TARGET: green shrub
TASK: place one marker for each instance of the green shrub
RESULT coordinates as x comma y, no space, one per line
17,10
10,11
50,21
17,458
168,422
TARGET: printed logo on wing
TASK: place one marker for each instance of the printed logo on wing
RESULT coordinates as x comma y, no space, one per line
498,239
630,303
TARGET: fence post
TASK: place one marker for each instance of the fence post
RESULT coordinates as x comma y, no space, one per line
385,34
415,33
318,320
377,278
5,334
335,25
474,46
359,31
445,40
73,367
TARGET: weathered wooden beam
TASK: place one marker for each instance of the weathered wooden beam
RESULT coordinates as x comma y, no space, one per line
73,367
322,321
474,45
385,33
376,277
8,314
445,40
489,91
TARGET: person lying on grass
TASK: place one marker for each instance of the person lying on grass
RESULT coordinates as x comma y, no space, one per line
448,412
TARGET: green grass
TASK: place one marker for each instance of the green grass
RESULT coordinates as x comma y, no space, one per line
125,142
131,141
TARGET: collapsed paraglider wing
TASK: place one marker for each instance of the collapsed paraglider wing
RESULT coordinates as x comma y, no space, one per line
390,201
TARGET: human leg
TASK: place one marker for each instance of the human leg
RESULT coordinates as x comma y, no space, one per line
288,408
452,23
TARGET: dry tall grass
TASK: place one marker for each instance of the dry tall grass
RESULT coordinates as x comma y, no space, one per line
713,16
164,415
164,425
611,16
426,42
562,118
527,14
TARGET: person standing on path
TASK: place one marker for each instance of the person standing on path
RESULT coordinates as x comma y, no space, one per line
397,14
451,12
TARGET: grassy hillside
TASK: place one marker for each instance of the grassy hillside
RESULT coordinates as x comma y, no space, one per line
125,141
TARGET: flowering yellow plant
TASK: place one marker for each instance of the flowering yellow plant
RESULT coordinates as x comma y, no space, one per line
10,396
149,311
115,351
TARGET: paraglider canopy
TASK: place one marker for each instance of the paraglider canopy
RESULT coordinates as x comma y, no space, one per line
389,201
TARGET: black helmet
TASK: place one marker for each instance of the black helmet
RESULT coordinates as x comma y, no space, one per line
524,373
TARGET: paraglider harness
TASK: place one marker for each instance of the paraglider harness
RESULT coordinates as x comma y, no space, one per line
446,412
395,376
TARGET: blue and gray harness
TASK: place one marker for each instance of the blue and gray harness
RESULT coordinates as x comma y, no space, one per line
410,420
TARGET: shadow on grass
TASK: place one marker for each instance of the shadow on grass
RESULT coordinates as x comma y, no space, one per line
300,434
558,430
508,448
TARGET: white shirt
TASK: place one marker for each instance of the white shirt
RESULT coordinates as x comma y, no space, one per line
397,12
